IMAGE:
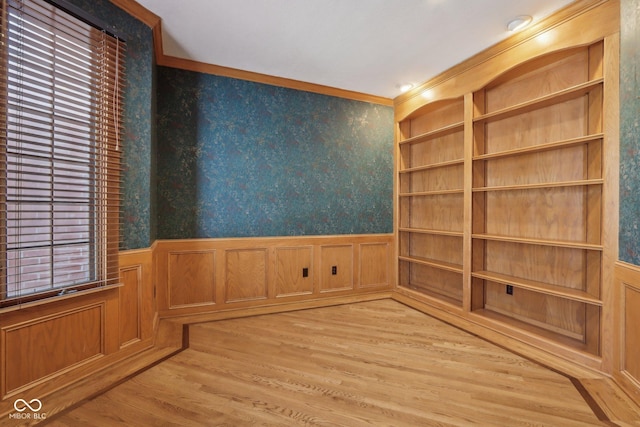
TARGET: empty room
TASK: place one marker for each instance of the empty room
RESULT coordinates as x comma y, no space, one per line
334,212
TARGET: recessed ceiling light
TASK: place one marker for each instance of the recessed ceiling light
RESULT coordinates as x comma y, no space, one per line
519,22
405,87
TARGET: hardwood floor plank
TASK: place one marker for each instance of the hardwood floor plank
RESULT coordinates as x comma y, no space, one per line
371,363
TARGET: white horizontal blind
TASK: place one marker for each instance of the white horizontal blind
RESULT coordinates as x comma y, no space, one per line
60,158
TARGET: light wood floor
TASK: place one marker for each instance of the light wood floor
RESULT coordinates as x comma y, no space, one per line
376,363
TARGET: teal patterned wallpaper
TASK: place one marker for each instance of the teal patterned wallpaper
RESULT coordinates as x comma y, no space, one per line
284,162
138,186
630,132
240,159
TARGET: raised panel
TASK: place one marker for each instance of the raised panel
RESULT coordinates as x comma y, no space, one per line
374,264
129,297
631,335
139,300
290,265
192,278
246,274
42,347
340,257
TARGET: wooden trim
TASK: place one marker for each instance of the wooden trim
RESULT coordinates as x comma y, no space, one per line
138,11
218,70
46,301
280,307
155,22
569,28
611,200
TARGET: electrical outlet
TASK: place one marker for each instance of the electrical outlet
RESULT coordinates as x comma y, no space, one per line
334,270
509,289
305,272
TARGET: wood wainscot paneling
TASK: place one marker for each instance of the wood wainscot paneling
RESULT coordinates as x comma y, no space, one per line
336,268
294,271
67,342
246,274
47,345
191,278
374,266
268,271
627,372
137,303
51,343
130,301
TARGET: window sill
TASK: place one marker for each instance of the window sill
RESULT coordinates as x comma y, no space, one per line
57,298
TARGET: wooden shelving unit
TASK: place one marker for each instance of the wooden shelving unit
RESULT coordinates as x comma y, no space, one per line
537,191
431,198
502,196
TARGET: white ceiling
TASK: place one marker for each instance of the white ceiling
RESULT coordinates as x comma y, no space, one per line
368,46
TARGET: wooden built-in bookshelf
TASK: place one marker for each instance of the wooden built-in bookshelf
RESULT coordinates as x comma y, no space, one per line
502,193
537,212
431,197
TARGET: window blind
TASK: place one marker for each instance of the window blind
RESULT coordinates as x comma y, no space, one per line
59,153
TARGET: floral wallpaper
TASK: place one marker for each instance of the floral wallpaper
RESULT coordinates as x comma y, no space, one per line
240,159
138,208
630,132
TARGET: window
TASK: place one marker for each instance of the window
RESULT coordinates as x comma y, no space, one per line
60,96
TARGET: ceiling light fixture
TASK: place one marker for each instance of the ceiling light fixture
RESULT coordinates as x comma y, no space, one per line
405,87
519,22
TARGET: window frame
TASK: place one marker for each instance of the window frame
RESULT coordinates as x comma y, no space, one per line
104,209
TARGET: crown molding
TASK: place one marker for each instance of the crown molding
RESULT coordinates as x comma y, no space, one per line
155,23
561,16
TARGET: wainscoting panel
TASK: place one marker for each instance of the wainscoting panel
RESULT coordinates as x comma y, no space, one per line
294,271
631,360
48,344
191,277
246,274
336,271
627,372
198,276
374,265
130,304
